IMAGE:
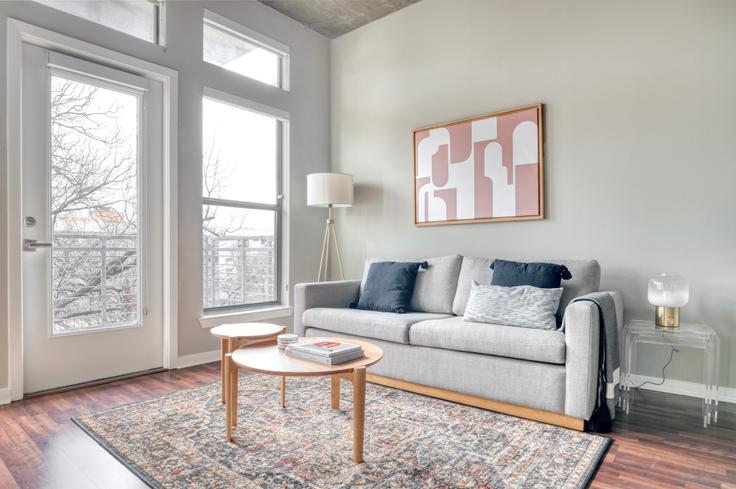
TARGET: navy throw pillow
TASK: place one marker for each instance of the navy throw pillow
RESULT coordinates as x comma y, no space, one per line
542,275
388,287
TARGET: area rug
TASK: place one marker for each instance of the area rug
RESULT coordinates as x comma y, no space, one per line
178,440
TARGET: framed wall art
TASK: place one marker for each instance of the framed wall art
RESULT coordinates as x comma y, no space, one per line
485,169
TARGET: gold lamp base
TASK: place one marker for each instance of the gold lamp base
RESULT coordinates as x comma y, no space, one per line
667,317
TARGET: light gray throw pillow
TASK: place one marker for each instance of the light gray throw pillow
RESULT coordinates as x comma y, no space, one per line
525,306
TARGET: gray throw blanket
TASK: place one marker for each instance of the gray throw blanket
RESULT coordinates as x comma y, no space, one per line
610,368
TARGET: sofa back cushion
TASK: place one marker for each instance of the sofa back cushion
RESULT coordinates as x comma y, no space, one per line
586,278
435,287
472,269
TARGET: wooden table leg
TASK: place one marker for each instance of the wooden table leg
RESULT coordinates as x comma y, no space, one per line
223,377
358,413
283,391
228,420
233,387
335,392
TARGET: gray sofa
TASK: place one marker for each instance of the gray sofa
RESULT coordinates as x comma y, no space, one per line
548,371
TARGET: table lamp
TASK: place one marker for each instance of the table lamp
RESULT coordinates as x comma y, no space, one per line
668,292
329,190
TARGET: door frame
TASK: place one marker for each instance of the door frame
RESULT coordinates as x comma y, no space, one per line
17,33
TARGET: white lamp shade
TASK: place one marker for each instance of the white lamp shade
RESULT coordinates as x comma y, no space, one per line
329,189
668,290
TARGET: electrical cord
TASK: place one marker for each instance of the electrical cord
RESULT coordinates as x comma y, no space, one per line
672,355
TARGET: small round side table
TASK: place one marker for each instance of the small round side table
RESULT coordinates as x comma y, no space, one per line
269,360
237,335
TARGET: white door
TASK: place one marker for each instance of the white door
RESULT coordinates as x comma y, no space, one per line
92,207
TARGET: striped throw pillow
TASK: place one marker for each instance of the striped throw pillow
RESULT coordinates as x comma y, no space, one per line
524,306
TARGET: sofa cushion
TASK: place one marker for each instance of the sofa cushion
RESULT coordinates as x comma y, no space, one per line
472,269
389,287
387,326
534,384
524,306
453,333
435,287
586,278
514,273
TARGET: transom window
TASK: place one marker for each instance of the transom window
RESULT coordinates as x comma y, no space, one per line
139,18
241,211
244,51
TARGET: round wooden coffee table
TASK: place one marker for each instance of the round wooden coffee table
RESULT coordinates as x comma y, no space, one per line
270,360
234,336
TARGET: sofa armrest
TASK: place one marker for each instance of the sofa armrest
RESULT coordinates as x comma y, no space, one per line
582,333
339,293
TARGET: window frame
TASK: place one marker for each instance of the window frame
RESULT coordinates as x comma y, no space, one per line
255,38
282,128
160,23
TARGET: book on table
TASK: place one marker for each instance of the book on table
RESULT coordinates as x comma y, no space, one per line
336,360
325,351
326,348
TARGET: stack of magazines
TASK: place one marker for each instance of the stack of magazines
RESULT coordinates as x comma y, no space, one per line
329,352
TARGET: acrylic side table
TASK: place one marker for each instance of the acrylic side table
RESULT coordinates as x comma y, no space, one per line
698,336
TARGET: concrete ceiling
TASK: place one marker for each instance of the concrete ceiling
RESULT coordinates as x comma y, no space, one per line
333,18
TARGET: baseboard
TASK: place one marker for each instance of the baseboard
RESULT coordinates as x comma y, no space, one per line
198,359
4,395
680,387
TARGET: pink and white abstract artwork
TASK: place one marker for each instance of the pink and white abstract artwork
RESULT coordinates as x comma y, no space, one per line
484,169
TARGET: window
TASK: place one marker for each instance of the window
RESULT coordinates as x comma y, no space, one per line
241,50
139,18
241,211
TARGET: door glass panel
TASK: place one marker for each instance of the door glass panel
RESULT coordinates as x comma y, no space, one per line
239,256
94,206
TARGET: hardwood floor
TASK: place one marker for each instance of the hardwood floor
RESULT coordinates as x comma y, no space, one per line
660,444
41,447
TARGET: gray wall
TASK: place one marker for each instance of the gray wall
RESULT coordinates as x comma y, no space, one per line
307,103
640,164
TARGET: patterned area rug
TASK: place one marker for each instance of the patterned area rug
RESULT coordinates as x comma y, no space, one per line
411,441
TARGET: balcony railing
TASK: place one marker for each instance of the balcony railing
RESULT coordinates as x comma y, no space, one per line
239,270
95,277
94,281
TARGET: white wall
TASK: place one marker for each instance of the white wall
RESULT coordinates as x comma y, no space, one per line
639,121
307,103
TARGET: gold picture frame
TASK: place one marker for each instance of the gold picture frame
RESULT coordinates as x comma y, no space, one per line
508,143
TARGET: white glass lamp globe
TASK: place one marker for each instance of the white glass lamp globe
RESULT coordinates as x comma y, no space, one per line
668,290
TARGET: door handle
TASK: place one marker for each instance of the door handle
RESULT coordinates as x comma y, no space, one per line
32,244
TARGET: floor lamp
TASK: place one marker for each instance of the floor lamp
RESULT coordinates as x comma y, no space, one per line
329,190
